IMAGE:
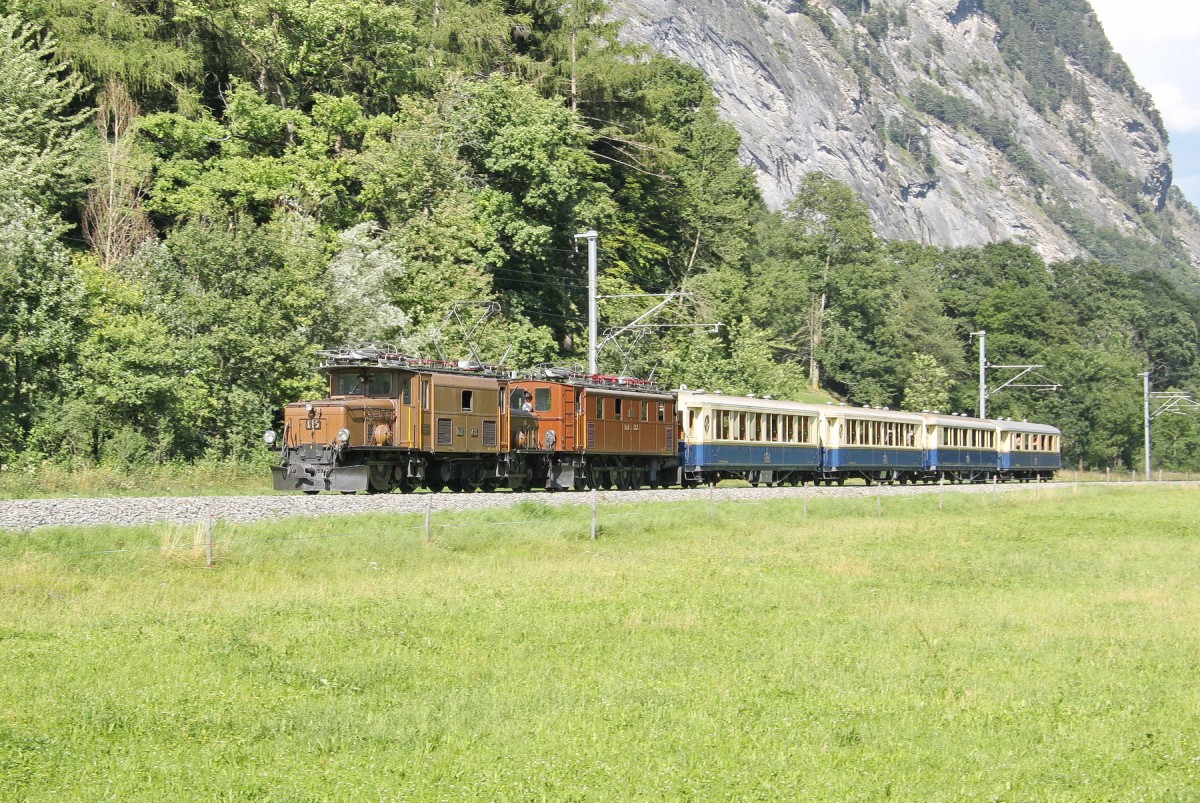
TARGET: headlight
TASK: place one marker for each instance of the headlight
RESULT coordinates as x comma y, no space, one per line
269,437
308,408
343,435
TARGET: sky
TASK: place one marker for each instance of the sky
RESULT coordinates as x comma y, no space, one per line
1160,41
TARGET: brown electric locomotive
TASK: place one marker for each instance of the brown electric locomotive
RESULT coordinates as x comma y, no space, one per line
391,421
602,431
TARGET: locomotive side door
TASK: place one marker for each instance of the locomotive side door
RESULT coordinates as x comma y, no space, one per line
633,417
406,427
423,418
568,415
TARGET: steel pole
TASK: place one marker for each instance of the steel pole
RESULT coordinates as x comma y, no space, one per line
1146,417
982,335
593,324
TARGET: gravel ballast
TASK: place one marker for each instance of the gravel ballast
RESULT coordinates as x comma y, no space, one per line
27,514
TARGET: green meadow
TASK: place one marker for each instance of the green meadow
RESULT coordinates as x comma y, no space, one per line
1039,645
211,478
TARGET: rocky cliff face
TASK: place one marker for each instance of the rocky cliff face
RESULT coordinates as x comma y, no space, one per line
794,79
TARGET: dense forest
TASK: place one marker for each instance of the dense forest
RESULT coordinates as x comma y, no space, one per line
196,196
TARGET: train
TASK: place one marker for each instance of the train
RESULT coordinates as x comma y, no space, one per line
391,421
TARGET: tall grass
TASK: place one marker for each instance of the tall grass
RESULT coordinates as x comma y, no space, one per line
167,479
1006,647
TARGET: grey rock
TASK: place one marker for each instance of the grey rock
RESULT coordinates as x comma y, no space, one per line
798,106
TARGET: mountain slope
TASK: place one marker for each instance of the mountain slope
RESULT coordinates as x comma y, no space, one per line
953,130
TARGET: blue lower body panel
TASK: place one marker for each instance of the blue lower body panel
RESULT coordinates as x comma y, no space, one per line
951,459
1031,461
868,458
750,457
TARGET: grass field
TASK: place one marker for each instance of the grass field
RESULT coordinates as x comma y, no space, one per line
168,479
1009,647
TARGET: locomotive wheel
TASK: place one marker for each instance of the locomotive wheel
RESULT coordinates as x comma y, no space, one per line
379,479
312,493
436,486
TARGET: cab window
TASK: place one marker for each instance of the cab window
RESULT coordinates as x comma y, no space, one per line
541,400
347,384
381,384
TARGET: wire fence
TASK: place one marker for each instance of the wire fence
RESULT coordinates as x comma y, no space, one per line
203,540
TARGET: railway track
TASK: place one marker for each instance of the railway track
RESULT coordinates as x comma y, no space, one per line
28,514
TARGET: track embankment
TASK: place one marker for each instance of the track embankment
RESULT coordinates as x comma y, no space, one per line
27,514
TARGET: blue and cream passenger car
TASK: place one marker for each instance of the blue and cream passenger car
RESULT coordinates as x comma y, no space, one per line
740,437
876,445
1029,451
960,448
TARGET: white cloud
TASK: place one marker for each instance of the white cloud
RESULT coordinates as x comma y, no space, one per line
1143,25
1180,110
1160,40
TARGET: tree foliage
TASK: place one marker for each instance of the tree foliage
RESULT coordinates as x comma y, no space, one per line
41,130
265,179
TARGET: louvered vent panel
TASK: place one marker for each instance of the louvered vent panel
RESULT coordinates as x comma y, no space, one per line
489,433
591,439
445,436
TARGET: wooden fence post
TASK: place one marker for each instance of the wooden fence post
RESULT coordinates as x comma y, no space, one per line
208,538
594,492
428,517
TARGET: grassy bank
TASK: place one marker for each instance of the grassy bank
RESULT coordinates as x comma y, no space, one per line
1007,647
170,479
